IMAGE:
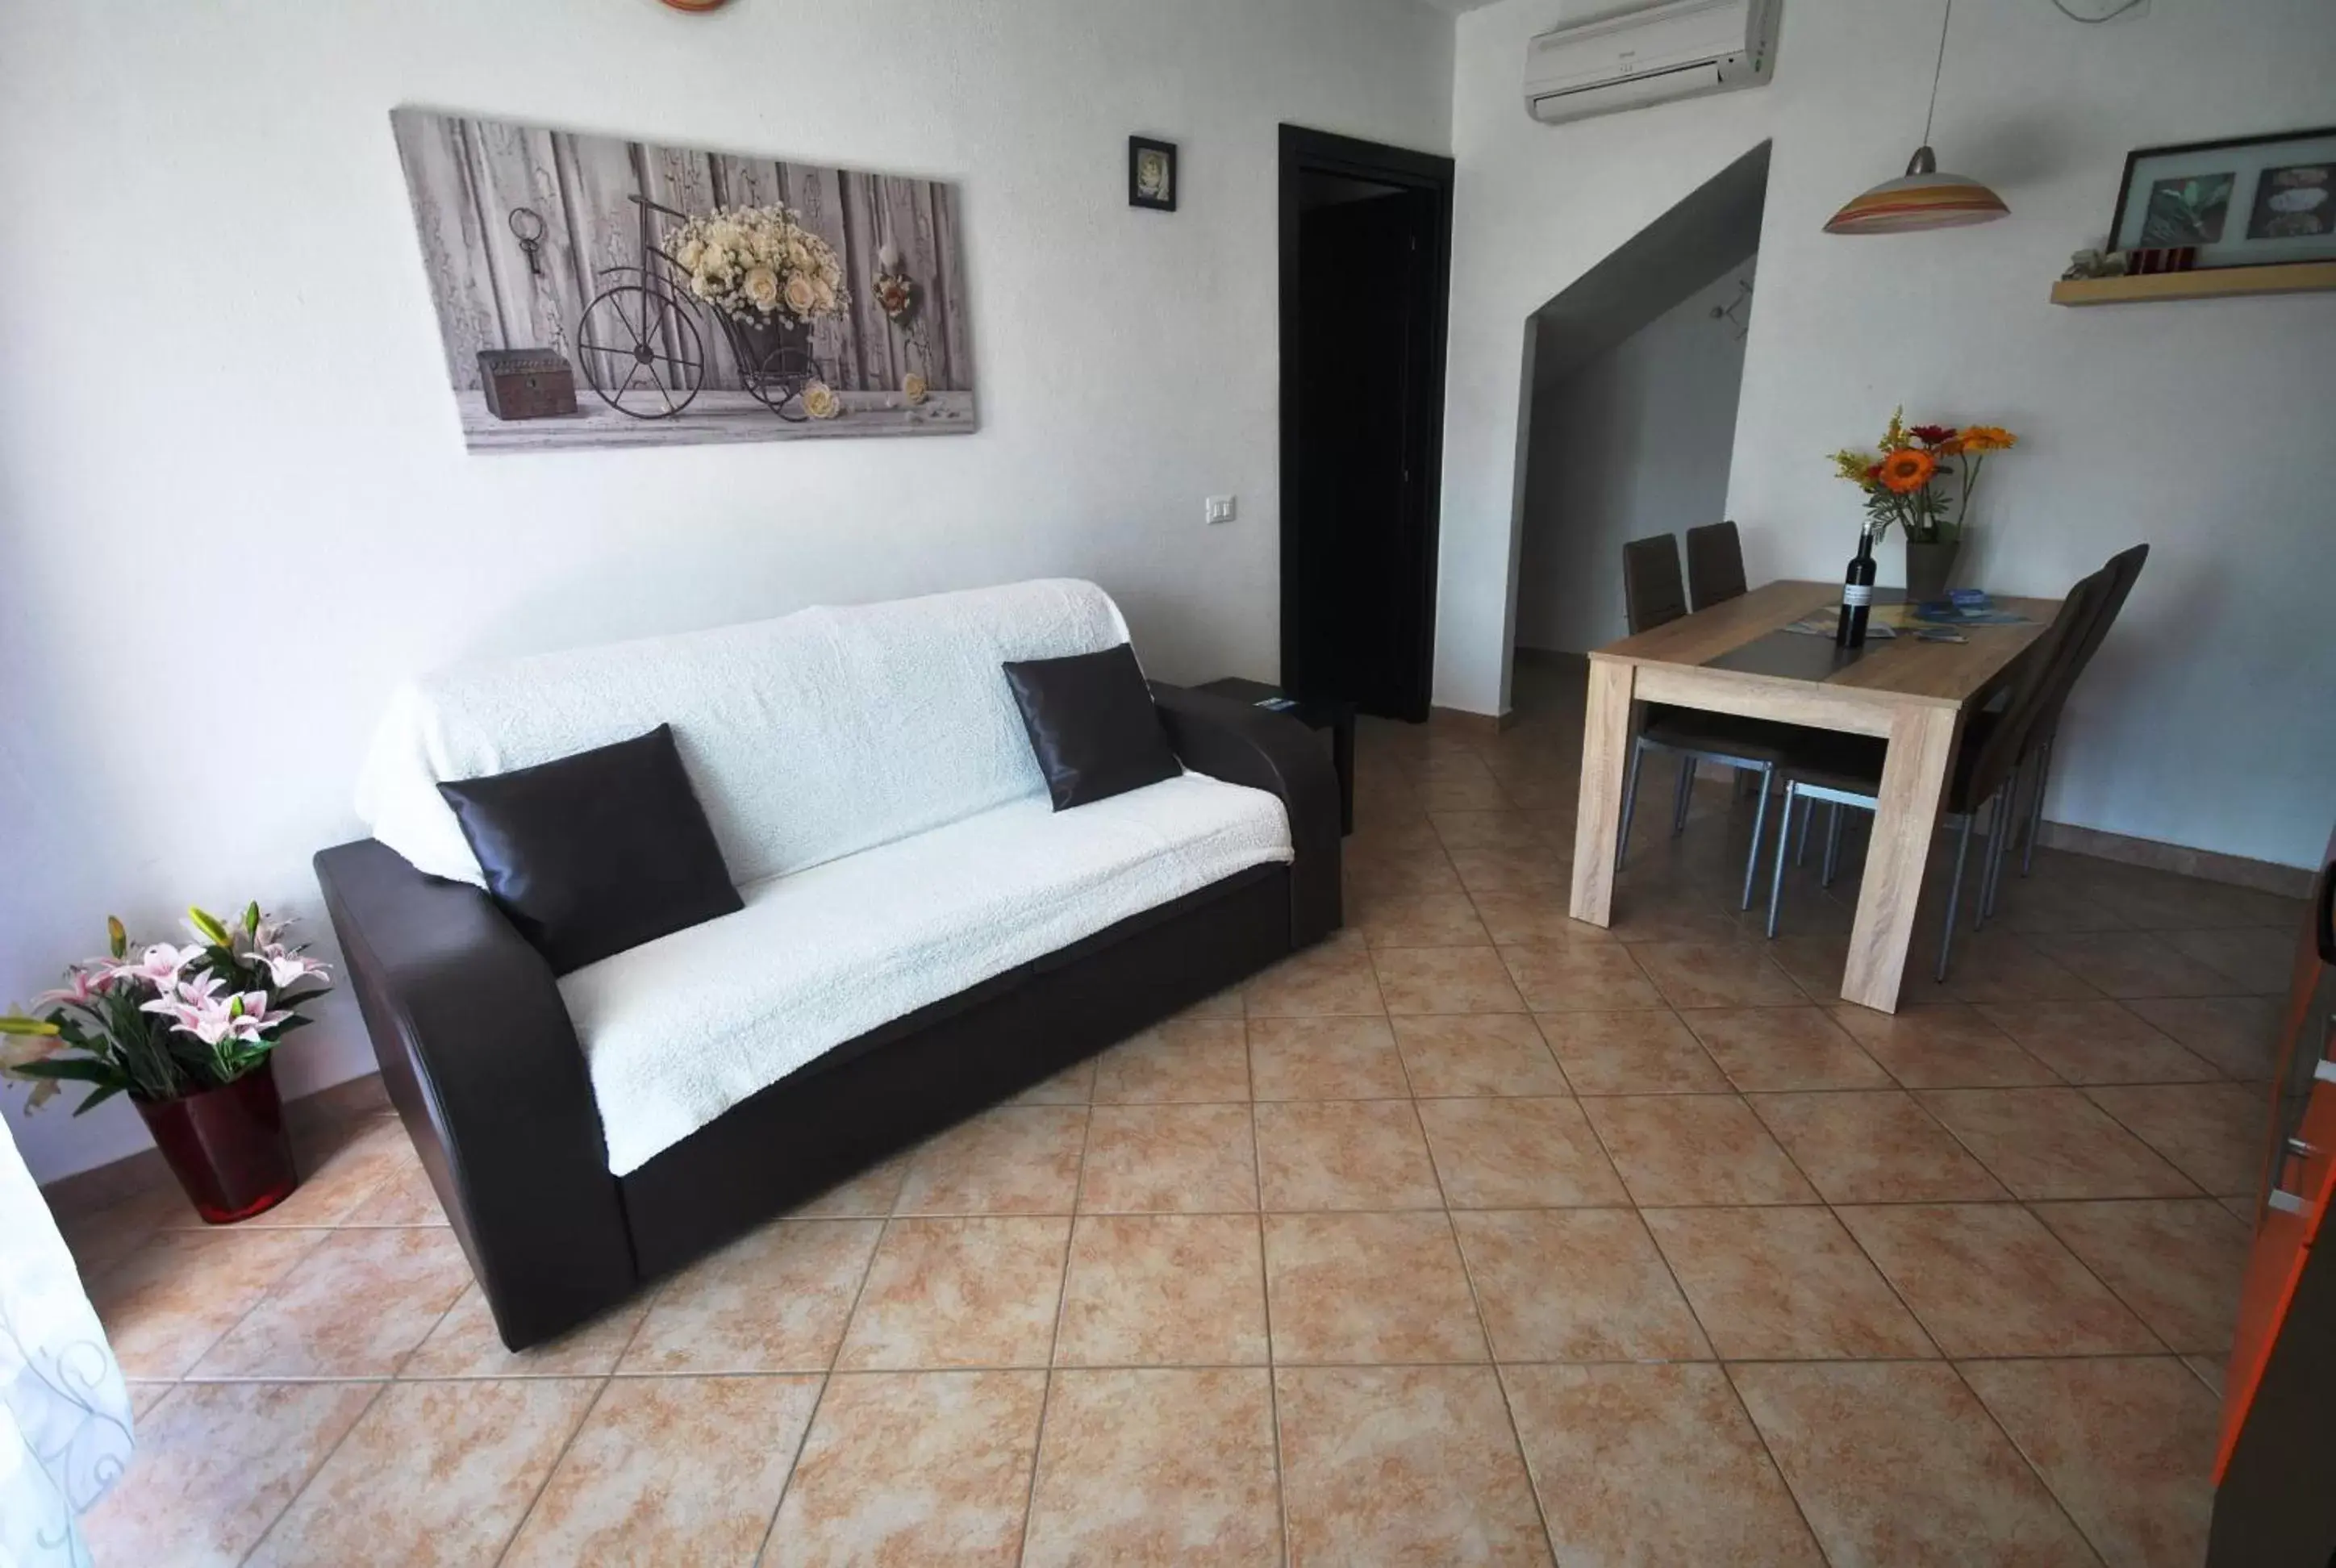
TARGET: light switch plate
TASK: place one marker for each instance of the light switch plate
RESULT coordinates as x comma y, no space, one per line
1217,509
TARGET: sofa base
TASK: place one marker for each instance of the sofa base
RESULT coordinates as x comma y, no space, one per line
872,1097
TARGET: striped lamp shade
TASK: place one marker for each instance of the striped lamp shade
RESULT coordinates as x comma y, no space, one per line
1923,198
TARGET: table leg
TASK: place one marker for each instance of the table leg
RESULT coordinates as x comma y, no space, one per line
1605,753
1914,776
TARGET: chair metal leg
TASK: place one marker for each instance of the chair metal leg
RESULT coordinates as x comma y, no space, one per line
2036,808
1683,795
1801,843
1955,893
1766,776
1630,804
2006,806
1777,877
1832,843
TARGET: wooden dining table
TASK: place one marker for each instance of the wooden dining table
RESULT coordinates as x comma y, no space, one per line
1737,658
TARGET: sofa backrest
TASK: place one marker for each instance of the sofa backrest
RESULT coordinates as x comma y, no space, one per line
808,737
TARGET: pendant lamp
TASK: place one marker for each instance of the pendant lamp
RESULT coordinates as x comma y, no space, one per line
1923,198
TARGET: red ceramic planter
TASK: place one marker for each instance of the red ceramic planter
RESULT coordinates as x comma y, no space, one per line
227,1145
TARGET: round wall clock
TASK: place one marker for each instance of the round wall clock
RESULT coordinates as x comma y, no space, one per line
693,4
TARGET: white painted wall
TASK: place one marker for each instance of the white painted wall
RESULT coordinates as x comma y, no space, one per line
1633,442
234,504
2208,718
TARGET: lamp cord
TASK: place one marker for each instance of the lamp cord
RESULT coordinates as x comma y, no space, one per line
1938,69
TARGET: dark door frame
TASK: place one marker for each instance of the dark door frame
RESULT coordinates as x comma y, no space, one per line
1305,151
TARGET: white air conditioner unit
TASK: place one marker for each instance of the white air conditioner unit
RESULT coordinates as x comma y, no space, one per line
1675,49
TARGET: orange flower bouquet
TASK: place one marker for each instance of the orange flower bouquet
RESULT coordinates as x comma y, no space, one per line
1922,479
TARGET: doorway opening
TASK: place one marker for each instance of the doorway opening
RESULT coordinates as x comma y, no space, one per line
1366,263
1631,418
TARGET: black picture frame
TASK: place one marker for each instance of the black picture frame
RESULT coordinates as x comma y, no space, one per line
2233,244
1137,195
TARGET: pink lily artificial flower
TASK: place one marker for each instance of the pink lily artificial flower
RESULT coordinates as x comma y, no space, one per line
159,966
285,968
85,983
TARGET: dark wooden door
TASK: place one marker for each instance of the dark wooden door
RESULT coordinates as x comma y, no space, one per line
1363,278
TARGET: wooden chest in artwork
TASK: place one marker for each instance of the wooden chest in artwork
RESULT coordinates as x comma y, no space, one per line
526,383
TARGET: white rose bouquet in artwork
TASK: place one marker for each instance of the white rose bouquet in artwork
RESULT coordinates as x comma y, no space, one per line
759,264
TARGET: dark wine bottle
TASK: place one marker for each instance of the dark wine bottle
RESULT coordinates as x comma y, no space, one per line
1857,594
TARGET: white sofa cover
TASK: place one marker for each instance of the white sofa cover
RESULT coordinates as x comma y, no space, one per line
867,775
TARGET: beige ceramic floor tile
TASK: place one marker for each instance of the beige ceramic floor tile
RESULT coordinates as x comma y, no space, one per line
353,1308
1325,1059
1873,1146
773,1300
1368,1287
434,1474
1783,1048
407,1198
2126,1445
1989,1280
2096,1042
1646,1052
1403,1466
1712,974
1897,1466
1536,914
1445,980
959,1293
1476,1054
1515,831
1783,1284
2131,964
2258,961
465,1344
216,1464
2240,1035
868,1195
1695,1149
341,1165
1948,1046
1653,1466
1401,920
2053,1143
2000,965
1194,1060
670,1470
1149,1466
1014,1160
1170,1159
1344,1155
2179,1264
1074,1085
172,1298
1517,1154
913,1468
1816,963
1575,1285
102,1235
1162,1291
2211,1132
1579,976
1333,978
1487,870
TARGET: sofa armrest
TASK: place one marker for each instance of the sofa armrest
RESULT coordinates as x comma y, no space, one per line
478,1055
1239,744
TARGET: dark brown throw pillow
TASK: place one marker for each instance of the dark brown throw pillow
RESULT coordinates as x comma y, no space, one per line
1092,724
596,852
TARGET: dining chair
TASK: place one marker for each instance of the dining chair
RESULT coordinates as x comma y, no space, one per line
1846,770
1715,564
2126,566
1653,594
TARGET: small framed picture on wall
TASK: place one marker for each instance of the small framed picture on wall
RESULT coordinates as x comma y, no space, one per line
1152,174
2242,202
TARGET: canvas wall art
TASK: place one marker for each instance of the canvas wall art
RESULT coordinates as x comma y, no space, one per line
593,291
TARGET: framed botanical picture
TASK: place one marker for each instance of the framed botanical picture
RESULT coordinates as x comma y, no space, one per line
1152,173
2250,202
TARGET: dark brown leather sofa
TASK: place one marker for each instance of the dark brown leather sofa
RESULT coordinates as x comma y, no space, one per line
479,1058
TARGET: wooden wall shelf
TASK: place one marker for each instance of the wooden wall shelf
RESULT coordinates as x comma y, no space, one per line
2215,283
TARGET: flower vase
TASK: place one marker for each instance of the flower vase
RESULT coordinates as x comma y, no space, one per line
1928,568
226,1145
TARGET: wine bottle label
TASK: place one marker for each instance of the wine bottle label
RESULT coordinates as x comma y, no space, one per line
1854,595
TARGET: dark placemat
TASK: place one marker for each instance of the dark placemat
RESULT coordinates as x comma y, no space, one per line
1790,656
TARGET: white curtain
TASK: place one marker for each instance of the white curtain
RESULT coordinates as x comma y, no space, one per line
64,1412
